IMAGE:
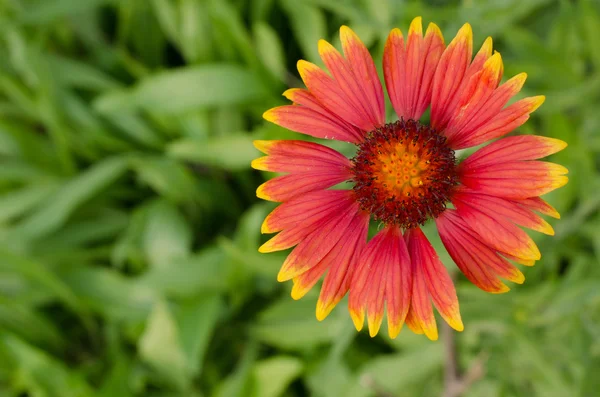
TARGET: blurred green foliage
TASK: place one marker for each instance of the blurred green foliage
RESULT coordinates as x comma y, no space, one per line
129,226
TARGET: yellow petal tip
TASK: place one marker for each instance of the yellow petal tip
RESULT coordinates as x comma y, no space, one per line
358,318
270,115
416,26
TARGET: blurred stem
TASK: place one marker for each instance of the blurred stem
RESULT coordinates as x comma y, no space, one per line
455,383
451,365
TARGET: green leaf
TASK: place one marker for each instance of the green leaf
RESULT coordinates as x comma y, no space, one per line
270,49
70,196
167,235
395,372
186,89
30,325
272,376
197,320
160,347
203,272
45,11
167,177
41,374
111,294
233,152
80,75
308,24
17,202
43,278
290,324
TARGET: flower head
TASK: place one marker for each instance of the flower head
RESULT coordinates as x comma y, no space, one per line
404,174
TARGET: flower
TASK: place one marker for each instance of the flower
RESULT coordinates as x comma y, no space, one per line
404,174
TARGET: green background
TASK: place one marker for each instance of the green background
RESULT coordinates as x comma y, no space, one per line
129,223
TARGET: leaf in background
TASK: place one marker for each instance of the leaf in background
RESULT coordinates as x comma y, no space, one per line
290,324
17,202
590,16
197,319
185,89
30,325
234,37
273,375
308,24
160,347
270,50
70,196
111,294
167,177
45,11
239,383
233,152
201,273
78,74
167,235
395,372
40,374
117,381
45,279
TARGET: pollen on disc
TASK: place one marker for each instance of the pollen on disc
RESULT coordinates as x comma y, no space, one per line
404,173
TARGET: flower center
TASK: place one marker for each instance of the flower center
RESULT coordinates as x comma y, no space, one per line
404,173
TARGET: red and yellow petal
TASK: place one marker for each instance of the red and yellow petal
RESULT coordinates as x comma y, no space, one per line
502,123
409,71
499,207
383,275
537,204
438,284
474,95
304,98
286,187
298,156
472,256
497,231
449,75
354,93
514,148
514,179
310,122
313,248
343,260
365,73
467,134
306,209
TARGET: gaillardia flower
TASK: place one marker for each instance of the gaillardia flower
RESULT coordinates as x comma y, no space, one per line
405,173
